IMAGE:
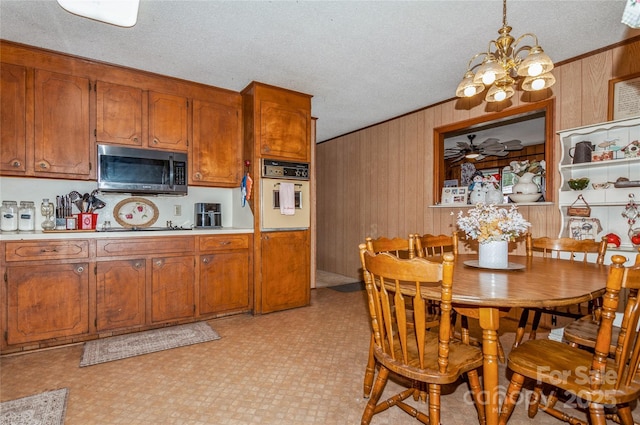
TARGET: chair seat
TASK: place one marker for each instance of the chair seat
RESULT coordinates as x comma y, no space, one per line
526,360
584,332
462,358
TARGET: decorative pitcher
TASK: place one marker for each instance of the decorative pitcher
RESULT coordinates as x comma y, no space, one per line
581,152
526,185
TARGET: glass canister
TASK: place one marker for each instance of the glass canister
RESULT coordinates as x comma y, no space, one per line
27,216
9,216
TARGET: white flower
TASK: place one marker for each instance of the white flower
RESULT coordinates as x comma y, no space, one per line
487,223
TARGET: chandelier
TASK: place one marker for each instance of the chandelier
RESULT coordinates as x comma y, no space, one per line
500,69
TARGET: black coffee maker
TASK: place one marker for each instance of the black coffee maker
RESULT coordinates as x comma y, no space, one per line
208,215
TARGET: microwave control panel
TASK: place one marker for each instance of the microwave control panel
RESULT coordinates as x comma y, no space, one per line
285,170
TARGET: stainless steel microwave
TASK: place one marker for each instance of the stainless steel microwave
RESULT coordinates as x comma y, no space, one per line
142,171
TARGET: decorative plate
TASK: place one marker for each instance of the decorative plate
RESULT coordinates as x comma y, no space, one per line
135,212
510,266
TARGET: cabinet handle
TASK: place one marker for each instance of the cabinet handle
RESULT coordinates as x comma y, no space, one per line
16,163
158,263
223,243
135,139
48,250
137,265
44,165
80,269
197,176
155,141
206,260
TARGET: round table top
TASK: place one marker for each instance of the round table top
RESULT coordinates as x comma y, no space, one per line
542,282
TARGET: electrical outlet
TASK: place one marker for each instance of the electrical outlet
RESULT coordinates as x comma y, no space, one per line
177,210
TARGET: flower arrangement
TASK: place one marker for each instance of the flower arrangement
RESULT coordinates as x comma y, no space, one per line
534,167
487,223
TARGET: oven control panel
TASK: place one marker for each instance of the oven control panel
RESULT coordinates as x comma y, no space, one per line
285,170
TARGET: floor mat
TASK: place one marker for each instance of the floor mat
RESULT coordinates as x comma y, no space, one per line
135,344
349,287
46,408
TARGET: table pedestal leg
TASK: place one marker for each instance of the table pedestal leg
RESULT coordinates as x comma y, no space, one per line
489,321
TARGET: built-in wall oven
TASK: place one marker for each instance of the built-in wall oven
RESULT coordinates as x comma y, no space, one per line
275,174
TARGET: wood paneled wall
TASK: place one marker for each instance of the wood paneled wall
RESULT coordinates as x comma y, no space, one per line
378,181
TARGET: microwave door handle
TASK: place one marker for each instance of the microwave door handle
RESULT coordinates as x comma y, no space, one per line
171,176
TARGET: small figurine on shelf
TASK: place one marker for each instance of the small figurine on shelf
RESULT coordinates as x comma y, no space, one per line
476,188
631,213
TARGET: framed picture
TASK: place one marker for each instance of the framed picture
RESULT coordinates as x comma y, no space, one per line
624,97
455,195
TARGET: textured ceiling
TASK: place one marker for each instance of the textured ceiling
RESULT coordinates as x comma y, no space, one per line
363,61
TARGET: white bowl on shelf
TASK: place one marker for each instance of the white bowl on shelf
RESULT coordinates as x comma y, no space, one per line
519,198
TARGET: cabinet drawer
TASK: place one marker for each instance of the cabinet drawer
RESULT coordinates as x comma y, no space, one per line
144,246
53,250
223,242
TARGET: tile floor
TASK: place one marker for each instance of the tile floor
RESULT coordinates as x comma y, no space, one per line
298,367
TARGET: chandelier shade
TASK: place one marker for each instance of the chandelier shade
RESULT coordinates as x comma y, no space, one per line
539,82
509,61
467,87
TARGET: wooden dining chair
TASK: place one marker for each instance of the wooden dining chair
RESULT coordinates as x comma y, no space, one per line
571,249
401,248
586,378
427,358
584,331
435,246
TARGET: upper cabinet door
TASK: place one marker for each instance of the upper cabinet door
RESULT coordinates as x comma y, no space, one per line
168,115
216,151
13,146
62,140
285,131
118,114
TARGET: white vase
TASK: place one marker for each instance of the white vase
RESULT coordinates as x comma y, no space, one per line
494,255
525,185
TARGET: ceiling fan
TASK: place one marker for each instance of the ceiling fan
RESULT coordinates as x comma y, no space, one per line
489,147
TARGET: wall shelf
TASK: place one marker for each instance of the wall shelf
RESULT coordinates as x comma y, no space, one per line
608,204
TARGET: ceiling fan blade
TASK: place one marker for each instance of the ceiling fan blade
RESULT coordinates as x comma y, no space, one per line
489,142
480,157
513,145
463,145
501,153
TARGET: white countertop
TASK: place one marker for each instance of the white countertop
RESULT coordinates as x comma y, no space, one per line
84,234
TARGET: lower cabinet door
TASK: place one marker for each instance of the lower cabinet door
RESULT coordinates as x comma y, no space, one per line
285,270
172,288
120,296
224,282
48,301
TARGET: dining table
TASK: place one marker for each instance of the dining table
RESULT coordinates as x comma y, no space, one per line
534,282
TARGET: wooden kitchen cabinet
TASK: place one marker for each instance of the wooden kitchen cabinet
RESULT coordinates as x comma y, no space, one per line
172,288
47,290
120,294
168,117
170,277
216,149
280,120
285,270
225,270
63,147
47,301
13,119
119,114
130,116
